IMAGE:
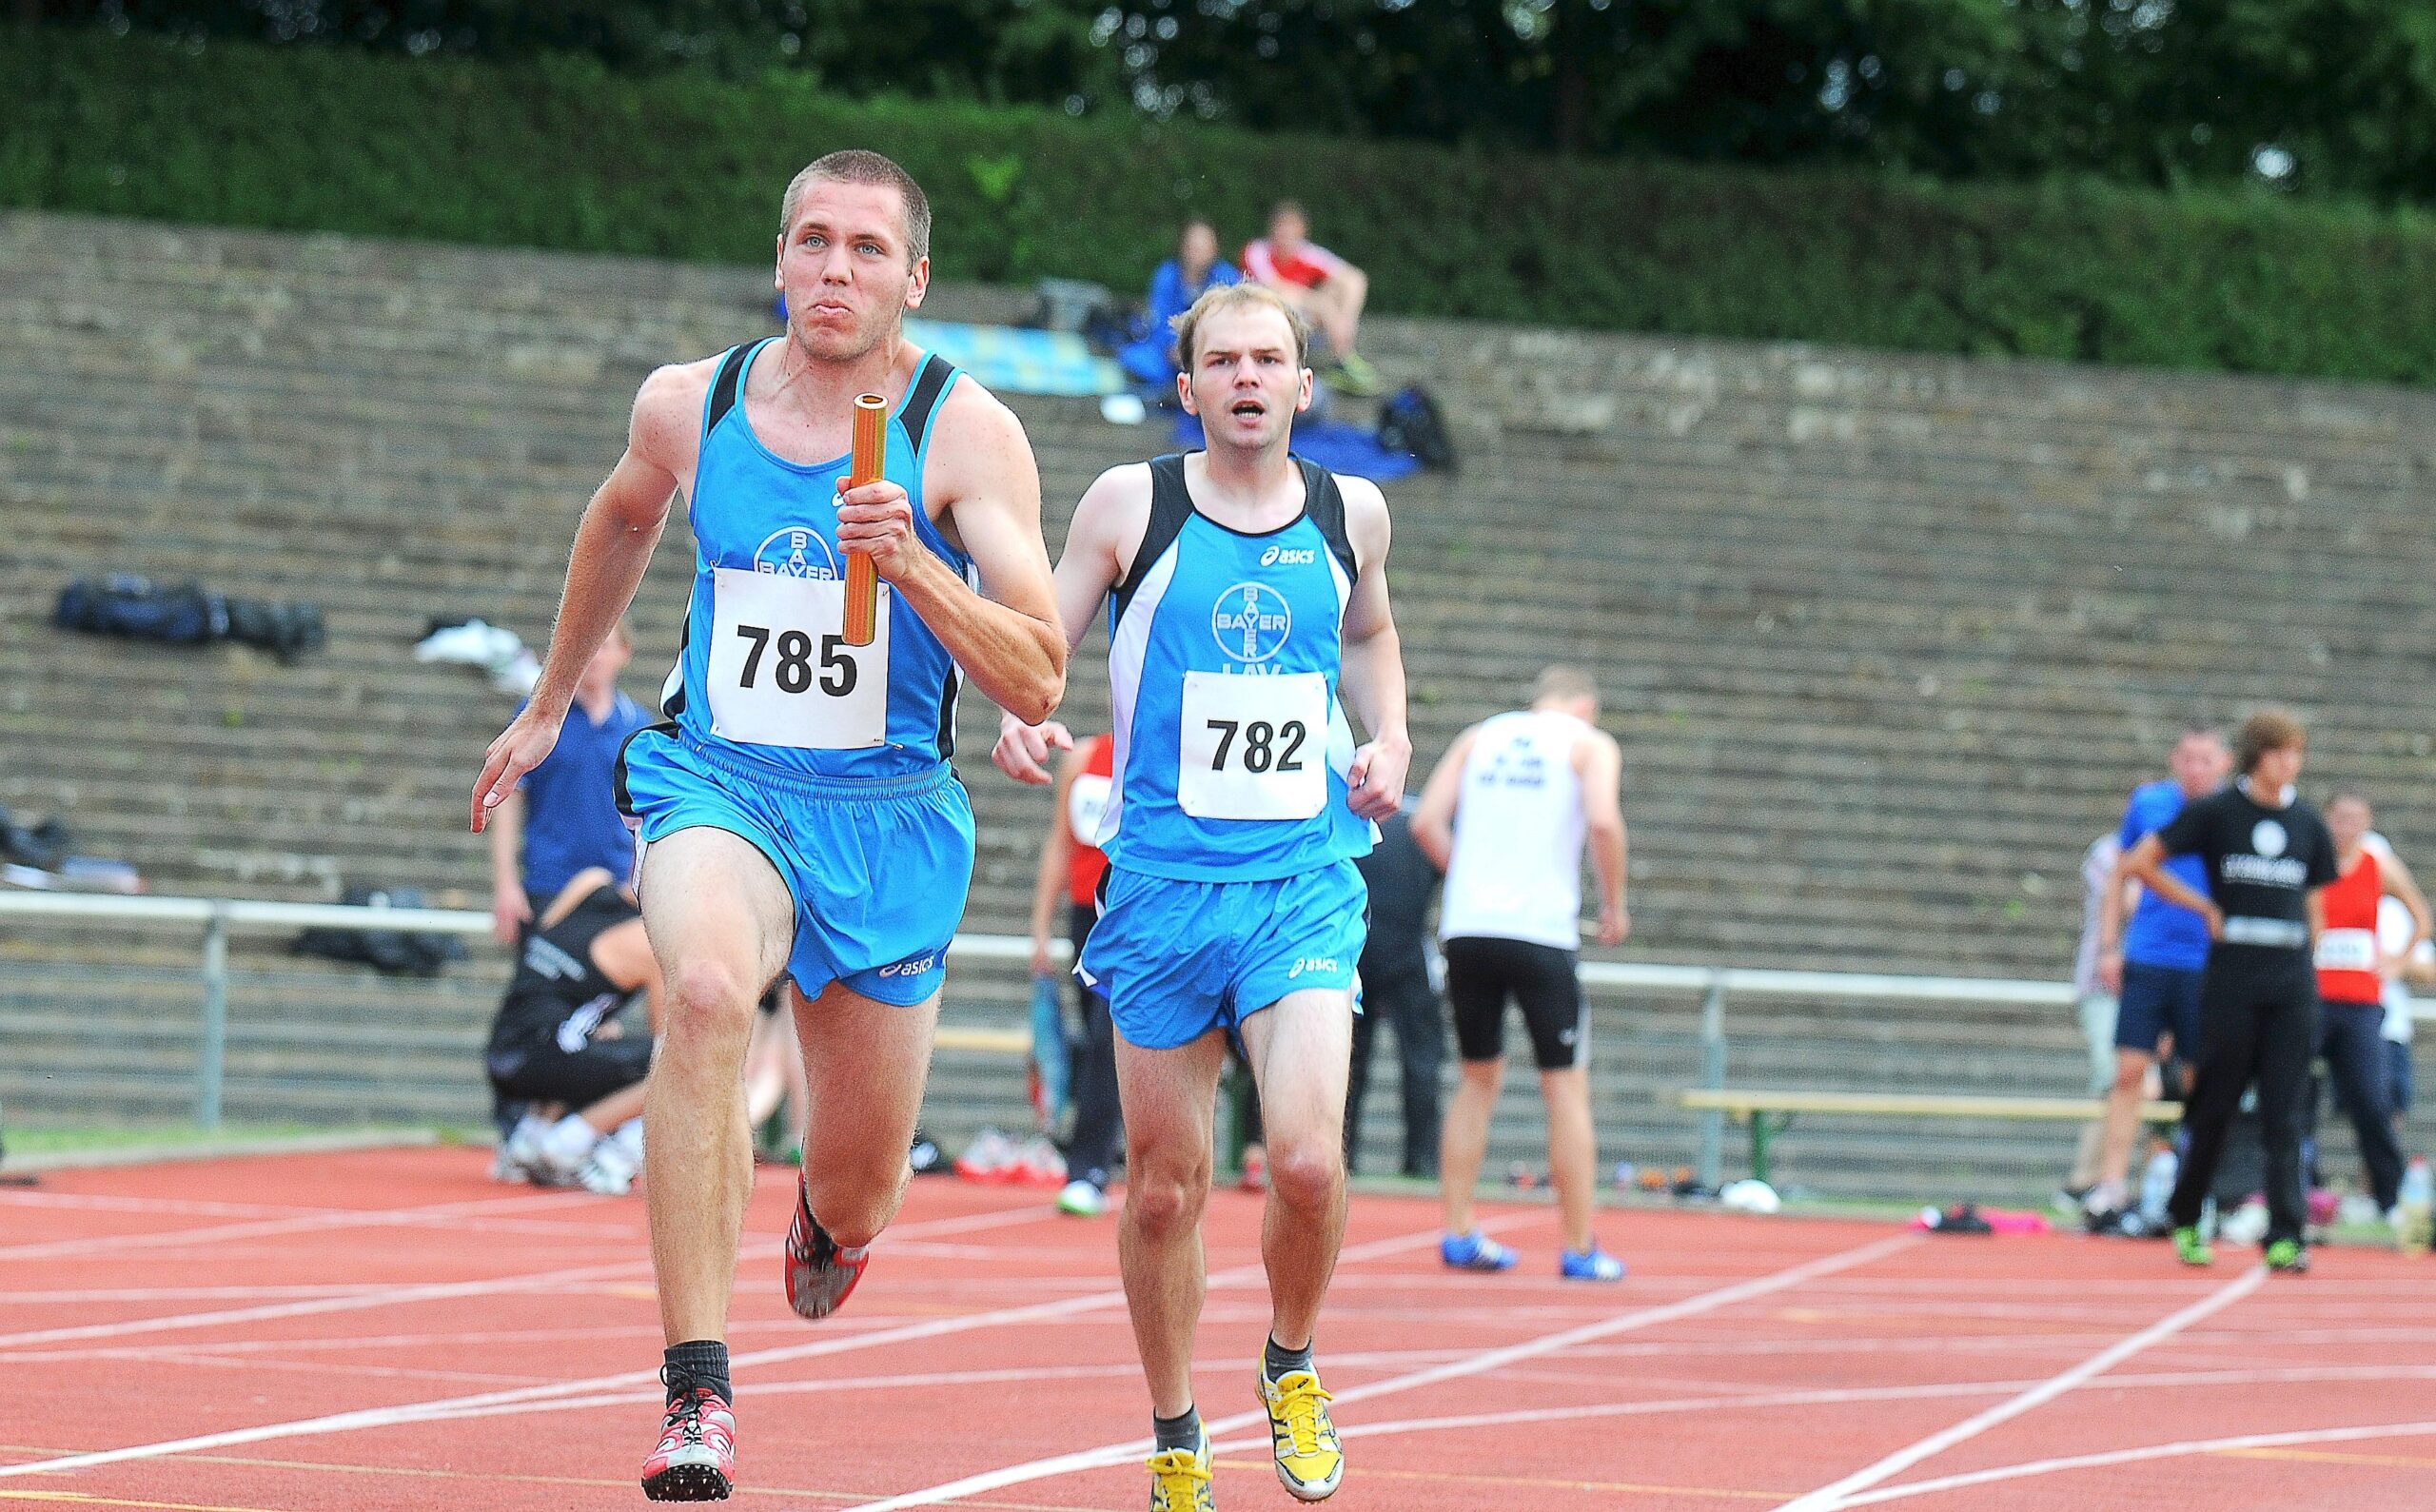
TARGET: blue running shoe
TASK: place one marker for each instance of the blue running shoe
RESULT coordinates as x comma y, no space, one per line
1593,1263
1474,1251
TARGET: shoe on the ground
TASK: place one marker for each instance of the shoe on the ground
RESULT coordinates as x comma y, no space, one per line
1309,1461
1082,1199
2290,1256
1474,1251
989,1158
2073,1199
1180,1479
2192,1249
1593,1263
695,1459
821,1273
527,1153
1354,374
1037,1163
1255,1172
610,1169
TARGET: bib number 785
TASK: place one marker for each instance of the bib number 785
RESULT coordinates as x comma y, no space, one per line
793,673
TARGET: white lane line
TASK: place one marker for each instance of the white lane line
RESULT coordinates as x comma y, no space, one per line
1828,1498
590,1392
1468,1366
111,1245
2144,1455
440,1292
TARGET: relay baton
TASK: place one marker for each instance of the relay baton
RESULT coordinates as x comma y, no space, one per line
870,459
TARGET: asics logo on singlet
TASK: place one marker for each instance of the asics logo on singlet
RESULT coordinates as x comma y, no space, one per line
1289,557
911,965
1252,622
1316,965
795,552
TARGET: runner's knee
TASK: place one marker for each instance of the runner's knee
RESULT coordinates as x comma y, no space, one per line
1306,1174
707,994
1164,1197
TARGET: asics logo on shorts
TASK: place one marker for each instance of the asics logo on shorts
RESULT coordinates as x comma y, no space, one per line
1316,965
912,965
1289,557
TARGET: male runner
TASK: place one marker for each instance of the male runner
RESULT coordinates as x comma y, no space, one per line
1249,586
798,814
2153,965
2269,860
1506,813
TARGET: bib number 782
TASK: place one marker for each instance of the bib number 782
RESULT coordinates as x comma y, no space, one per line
1266,747
793,672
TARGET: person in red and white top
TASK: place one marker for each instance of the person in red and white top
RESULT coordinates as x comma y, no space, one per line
2353,967
1327,290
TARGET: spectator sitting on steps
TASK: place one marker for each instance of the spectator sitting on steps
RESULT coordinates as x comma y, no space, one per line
1327,290
1195,269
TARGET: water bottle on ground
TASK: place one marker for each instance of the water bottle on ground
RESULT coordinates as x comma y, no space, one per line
2415,1207
2156,1188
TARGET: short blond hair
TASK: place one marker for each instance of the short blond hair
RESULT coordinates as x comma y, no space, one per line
855,166
1563,682
1234,296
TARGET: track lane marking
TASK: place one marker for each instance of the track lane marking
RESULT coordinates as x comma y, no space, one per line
1841,1493
1471,1365
2145,1454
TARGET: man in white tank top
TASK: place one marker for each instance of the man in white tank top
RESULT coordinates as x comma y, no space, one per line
1506,814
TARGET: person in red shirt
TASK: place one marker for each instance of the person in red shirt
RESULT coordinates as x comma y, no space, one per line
1071,864
1327,290
2351,984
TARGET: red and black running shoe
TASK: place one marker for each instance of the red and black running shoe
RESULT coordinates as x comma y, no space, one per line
822,1272
696,1461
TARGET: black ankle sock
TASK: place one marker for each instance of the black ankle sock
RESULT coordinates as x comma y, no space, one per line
1277,1361
697,1362
1182,1431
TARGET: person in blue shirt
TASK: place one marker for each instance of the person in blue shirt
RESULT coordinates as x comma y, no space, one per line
564,819
2153,965
1195,270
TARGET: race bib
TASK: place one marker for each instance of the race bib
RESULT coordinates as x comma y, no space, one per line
781,672
2347,950
1253,748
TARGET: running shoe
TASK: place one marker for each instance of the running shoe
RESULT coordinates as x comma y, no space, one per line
989,1158
1036,1164
696,1461
2290,1256
822,1272
1309,1461
1082,1199
2192,1249
1593,1263
1354,374
609,1170
1180,1479
1474,1251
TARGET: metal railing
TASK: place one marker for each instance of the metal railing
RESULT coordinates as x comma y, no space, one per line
217,919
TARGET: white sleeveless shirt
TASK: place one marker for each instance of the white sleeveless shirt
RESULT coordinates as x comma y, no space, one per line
1516,873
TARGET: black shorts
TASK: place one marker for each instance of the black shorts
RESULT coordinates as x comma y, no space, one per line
541,1070
1483,973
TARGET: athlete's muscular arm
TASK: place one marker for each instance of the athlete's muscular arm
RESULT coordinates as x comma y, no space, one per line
1373,676
1006,638
1433,818
1107,530
2147,863
613,546
1601,766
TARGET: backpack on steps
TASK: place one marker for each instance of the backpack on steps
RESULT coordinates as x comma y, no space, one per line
1410,421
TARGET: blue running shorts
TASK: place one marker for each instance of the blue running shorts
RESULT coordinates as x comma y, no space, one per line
878,868
1178,959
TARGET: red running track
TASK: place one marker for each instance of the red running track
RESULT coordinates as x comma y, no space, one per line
392,1330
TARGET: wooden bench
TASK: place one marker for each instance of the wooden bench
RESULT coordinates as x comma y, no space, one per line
1753,1106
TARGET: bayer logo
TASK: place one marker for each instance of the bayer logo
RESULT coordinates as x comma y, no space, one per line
1252,622
795,552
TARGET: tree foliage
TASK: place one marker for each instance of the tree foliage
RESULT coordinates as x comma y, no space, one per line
2332,96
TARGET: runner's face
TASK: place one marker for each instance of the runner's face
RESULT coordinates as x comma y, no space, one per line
1245,384
845,269
2348,819
2199,764
2278,768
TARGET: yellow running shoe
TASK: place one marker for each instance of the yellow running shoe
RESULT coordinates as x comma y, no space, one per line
1308,1459
1180,1479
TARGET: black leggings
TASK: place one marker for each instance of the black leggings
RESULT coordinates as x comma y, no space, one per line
1099,1124
2258,1022
2352,1039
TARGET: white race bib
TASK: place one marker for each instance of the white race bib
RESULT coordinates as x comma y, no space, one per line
2347,950
1253,748
781,672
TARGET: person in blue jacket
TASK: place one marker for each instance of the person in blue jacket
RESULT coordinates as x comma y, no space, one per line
1195,270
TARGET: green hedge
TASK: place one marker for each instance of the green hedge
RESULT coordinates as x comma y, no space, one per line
563,154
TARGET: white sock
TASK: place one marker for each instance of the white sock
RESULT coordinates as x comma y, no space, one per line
569,1140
